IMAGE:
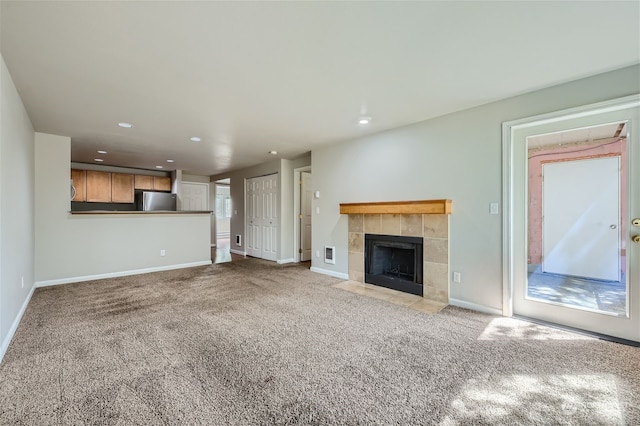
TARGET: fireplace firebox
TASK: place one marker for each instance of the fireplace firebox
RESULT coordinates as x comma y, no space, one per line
394,262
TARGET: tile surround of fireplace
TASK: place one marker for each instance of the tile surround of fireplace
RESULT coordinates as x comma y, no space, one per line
433,228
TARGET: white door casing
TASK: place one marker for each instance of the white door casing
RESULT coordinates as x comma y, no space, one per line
515,229
581,218
305,216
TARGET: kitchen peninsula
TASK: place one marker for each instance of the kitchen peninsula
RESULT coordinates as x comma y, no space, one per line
79,246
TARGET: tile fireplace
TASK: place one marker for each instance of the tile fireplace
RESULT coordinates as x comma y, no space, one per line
387,220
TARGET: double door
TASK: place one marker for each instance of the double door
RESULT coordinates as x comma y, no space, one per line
262,217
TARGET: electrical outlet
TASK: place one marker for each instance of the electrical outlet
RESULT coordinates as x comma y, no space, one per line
493,208
317,253
456,277
163,253
22,281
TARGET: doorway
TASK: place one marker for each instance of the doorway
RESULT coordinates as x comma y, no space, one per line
568,239
302,201
222,220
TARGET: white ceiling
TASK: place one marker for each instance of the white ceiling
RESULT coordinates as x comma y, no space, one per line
249,77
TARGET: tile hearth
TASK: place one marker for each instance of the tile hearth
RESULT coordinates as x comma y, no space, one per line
410,301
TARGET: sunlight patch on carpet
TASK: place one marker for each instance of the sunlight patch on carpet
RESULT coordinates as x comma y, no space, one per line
537,399
515,329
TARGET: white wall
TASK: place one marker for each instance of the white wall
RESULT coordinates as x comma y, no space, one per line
76,247
16,207
457,156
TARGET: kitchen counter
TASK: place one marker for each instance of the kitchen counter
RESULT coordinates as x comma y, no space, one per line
120,212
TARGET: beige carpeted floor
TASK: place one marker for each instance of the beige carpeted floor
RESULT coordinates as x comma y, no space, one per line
255,343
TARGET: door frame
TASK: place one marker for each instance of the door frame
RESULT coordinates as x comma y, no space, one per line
296,210
512,264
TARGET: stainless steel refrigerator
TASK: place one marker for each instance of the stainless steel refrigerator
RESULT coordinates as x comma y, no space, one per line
155,201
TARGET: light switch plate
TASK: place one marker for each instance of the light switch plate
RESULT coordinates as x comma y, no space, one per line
494,208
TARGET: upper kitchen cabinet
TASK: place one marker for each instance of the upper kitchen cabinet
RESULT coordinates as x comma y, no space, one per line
161,183
144,182
98,187
121,188
79,182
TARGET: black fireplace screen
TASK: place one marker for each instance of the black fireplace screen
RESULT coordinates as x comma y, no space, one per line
394,262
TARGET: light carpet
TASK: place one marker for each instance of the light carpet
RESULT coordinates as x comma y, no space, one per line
255,343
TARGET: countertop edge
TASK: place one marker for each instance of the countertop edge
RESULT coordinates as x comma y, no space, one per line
102,212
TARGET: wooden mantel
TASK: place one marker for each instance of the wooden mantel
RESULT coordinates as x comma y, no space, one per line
398,207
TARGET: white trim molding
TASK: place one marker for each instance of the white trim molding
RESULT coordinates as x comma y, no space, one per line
120,274
15,324
283,261
475,307
330,273
238,252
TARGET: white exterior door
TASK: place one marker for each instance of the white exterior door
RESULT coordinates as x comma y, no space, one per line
262,217
305,216
623,324
581,218
195,196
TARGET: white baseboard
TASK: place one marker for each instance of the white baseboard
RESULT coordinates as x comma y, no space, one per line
330,273
241,253
120,274
213,245
283,261
475,307
14,326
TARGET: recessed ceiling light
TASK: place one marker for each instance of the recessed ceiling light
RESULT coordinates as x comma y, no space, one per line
273,152
159,167
195,139
171,161
364,120
102,152
125,125
99,160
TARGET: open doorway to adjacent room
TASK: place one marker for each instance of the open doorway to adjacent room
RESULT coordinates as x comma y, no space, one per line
303,198
222,213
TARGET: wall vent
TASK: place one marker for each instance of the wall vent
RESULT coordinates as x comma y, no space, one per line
329,254
239,240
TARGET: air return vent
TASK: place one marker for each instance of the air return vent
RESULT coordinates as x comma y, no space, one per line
329,254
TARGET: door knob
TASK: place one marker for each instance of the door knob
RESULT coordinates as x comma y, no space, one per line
636,238
612,226
636,221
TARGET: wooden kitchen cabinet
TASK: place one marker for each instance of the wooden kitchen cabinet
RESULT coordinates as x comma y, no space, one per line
121,188
79,179
161,183
143,182
98,187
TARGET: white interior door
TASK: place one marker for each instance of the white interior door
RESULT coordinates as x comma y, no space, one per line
581,218
252,207
195,196
624,324
270,220
262,217
305,216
